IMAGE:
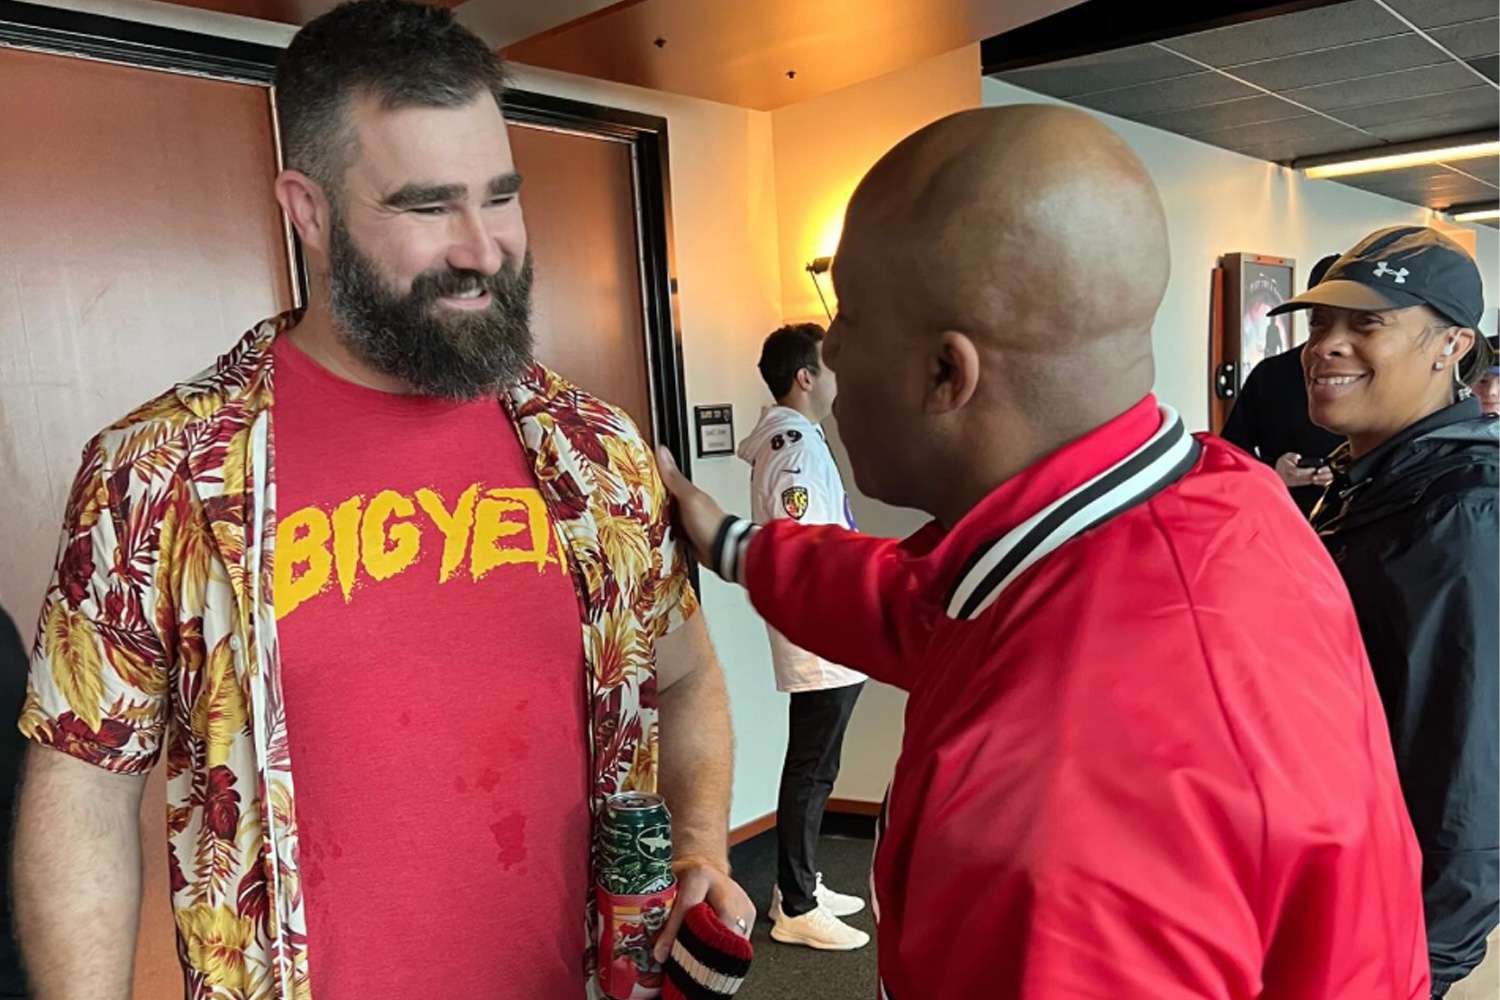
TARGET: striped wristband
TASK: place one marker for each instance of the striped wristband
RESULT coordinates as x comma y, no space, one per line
730,544
708,961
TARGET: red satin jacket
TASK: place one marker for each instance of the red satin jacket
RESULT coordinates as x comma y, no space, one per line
1144,757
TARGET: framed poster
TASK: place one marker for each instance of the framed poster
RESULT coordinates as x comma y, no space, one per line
1242,334
1254,284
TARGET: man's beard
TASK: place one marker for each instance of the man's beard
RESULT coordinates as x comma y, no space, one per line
437,350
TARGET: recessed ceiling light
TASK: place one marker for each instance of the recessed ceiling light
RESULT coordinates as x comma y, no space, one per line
1363,163
1477,215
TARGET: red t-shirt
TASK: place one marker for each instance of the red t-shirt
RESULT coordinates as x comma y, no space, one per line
432,673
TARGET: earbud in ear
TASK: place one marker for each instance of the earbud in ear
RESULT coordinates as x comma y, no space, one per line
1452,346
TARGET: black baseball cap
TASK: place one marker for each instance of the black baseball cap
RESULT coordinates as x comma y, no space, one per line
1399,267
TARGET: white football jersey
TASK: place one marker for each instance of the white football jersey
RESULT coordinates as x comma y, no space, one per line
793,474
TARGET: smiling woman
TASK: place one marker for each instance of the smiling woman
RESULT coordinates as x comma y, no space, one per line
1411,520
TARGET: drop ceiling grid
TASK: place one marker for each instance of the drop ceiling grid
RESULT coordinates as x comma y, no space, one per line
1344,76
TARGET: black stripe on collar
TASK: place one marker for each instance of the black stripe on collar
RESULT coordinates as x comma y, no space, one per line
1158,463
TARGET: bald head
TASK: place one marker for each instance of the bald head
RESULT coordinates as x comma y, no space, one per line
1033,227
1028,239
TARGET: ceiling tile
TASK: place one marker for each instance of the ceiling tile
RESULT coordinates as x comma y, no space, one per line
1224,115
1104,71
1410,194
1487,169
1437,13
1168,95
1286,150
1387,87
1426,128
1289,34
1446,188
1489,66
1386,55
1461,193
1478,99
1410,178
1471,40
1312,130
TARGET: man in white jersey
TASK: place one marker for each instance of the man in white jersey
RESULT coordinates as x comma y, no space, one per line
793,475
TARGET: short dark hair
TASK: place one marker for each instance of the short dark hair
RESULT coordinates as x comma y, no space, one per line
786,352
402,54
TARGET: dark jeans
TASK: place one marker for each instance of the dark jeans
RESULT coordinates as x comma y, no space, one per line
814,742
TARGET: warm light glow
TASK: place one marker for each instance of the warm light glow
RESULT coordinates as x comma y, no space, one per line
818,236
1400,161
830,231
1479,215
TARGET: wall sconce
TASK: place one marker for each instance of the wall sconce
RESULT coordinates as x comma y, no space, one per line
815,267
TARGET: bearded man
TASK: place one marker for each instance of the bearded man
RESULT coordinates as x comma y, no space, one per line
400,605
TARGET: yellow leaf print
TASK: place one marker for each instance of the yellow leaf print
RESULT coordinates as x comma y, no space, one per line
612,649
191,560
33,716
235,454
74,650
216,940
623,540
643,768
135,671
219,713
628,462
94,500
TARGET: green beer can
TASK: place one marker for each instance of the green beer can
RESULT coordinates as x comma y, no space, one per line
635,853
635,892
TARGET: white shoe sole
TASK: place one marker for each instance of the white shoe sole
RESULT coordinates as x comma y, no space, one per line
787,937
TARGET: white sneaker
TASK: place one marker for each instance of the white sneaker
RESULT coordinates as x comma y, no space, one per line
817,928
838,903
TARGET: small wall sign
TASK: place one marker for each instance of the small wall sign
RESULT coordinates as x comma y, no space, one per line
715,425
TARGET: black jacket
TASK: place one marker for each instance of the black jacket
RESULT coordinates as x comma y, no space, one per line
1414,529
1270,419
12,751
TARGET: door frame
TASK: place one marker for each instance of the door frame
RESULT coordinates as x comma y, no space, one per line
57,31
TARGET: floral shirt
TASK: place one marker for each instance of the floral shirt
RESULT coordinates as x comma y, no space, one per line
158,631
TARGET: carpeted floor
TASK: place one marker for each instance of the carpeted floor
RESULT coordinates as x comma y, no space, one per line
784,972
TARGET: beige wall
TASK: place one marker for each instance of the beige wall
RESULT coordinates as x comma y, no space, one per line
825,145
823,148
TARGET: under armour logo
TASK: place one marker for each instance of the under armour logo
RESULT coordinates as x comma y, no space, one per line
1381,270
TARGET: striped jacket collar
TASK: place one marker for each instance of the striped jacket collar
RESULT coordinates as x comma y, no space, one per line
1112,468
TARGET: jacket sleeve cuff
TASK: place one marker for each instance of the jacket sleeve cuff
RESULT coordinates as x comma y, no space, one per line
731,542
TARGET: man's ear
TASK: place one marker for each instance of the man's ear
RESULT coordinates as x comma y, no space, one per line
953,373
304,202
805,379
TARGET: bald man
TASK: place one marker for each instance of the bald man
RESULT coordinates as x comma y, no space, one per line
1110,783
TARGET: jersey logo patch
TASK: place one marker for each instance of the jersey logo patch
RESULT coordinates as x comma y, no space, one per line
794,501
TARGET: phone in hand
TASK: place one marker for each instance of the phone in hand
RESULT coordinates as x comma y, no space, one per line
1311,462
